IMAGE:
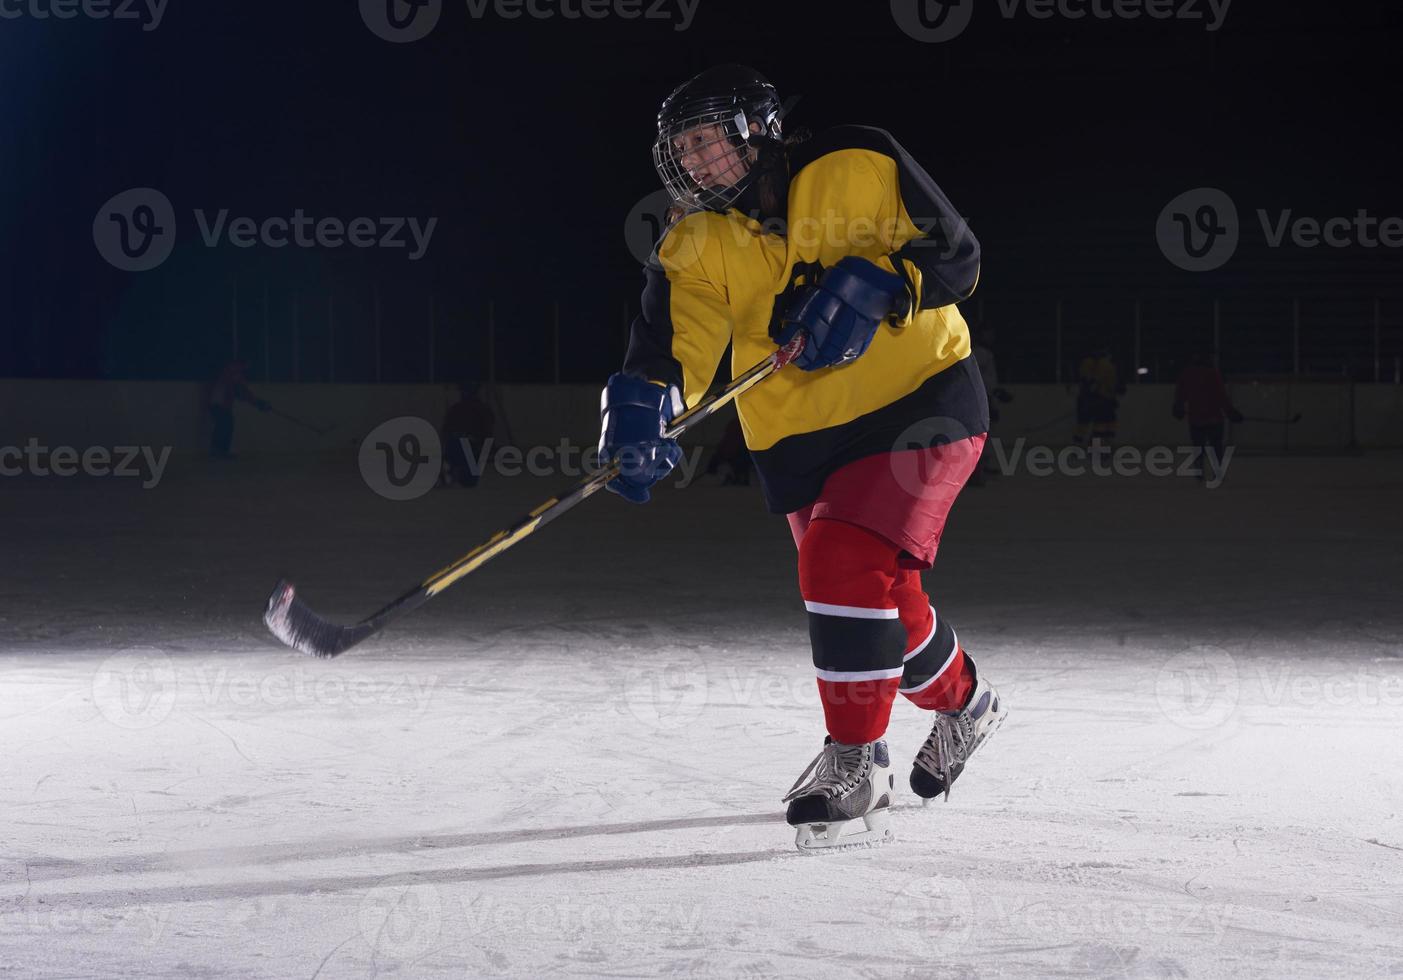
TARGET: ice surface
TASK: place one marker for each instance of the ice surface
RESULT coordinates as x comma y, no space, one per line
571,763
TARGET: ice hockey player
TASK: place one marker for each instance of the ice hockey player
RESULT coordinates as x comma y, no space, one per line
1201,396
842,236
983,341
1098,404
229,387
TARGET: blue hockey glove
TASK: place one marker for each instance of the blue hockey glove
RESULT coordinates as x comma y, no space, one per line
842,313
633,415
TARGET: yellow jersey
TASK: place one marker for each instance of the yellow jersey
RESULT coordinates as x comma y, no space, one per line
726,279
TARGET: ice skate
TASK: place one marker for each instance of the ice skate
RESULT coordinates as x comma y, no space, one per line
843,798
954,738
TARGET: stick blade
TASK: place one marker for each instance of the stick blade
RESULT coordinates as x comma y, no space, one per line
294,623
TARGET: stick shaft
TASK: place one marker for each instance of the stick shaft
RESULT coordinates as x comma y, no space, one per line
299,627
292,622
556,506
295,420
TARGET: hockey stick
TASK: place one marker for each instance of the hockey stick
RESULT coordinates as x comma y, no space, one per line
1258,418
293,622
296,421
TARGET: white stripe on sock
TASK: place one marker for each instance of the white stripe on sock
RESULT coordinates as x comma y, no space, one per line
926,642
848,676
936,676
850,612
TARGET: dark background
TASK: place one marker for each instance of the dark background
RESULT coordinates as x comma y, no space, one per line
529,140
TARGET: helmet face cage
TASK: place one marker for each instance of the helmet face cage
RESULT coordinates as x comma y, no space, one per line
727,134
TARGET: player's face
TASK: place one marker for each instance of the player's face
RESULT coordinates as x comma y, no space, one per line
710,158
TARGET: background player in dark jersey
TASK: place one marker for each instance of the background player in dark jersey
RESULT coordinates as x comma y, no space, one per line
864,446
1099,388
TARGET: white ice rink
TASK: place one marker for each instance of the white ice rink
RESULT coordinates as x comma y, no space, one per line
571,763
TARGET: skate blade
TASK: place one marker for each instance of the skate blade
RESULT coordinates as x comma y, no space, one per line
872,830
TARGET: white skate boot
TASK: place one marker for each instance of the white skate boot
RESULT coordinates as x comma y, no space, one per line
954,738
843,798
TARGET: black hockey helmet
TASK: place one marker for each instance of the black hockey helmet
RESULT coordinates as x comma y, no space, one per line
706,124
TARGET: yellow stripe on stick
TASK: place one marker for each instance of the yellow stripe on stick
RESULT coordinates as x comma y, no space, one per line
500,542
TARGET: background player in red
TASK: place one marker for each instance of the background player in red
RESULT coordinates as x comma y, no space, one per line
864,446
467,426
1202,398
229,387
